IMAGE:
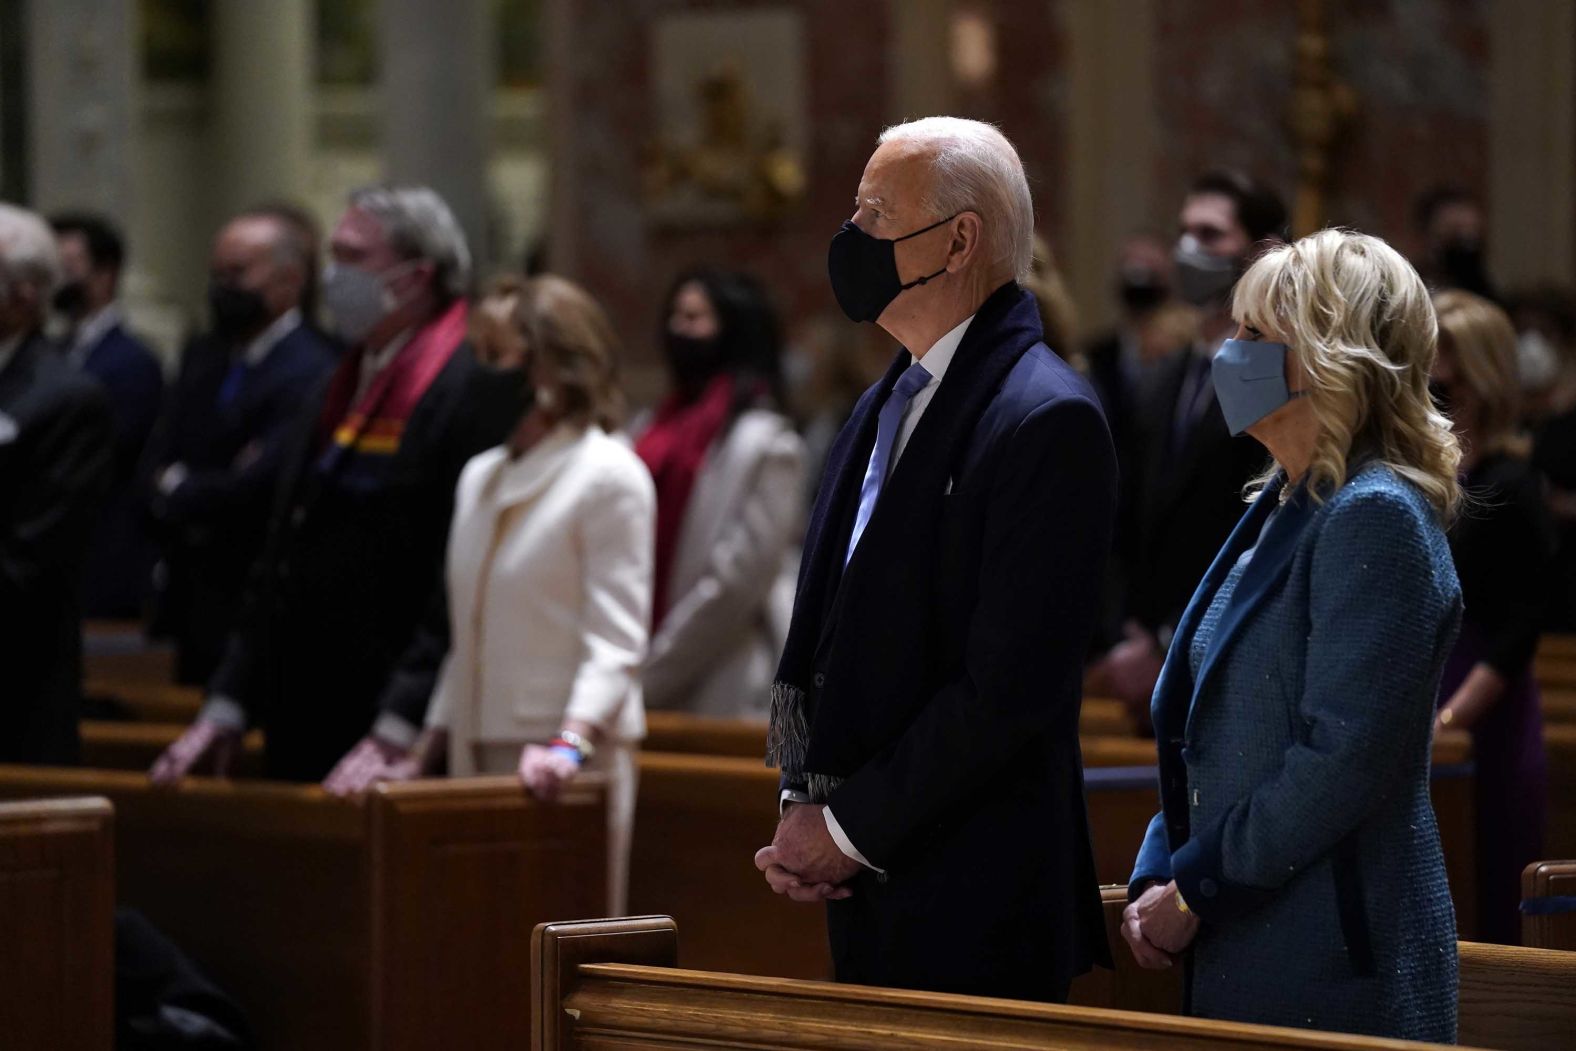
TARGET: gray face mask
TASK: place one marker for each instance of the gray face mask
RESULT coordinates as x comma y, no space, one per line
1203,279
358,299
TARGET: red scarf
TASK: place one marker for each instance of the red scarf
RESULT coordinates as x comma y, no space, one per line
674,448
376,423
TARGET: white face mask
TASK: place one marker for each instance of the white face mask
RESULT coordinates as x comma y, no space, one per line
1536,360
358,299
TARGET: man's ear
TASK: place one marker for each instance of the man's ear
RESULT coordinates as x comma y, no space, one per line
967,233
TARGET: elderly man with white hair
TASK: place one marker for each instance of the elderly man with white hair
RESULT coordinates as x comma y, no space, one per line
56,455
350,578
925,716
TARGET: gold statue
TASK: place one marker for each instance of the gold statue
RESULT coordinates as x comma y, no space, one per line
731,167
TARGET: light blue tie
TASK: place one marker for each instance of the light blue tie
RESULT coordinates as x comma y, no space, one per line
909,384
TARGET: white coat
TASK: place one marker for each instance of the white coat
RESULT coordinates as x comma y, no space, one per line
550,581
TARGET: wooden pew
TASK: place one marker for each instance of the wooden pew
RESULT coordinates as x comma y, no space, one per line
109,745
57,924
1557,646
1559,838
1559,704
679,732
398,921
150,702
1548,905
614,984
700,819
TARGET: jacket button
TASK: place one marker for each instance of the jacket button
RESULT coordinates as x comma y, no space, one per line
819,680
1206,887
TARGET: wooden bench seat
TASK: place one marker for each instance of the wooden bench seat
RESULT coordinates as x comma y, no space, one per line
57,924
109,745
614,984
1548,905
398,921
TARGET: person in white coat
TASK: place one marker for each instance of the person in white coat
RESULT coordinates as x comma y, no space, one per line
729,471
549,575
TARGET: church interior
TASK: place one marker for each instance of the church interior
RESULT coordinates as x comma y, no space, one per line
442,568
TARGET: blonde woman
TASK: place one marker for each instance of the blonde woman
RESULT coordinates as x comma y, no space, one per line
1503,547
549,575
1296,857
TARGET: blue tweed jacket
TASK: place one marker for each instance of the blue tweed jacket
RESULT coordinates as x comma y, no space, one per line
1295,771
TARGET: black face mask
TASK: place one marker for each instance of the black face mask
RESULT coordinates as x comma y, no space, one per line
863,270
236,312
1461,261
70,299
503,396
1140,290
692,361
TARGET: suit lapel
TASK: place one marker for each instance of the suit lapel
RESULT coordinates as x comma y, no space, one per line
1263,574
526,479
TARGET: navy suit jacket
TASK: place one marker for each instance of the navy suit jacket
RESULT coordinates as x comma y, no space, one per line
213,526
940,675
120,561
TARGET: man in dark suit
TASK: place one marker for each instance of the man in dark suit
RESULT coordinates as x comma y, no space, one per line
1186,474
92,255
56,456
925,716
354,556
222,443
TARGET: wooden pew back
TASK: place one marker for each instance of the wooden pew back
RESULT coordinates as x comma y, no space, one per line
1548,905
398,921
1559,840
57,924
611,985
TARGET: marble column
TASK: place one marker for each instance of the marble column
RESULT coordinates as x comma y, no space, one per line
81,105
438,67
1111,144
261,96
1532,142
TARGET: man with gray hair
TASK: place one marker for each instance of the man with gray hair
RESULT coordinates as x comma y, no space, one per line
925,716
56,456
353,564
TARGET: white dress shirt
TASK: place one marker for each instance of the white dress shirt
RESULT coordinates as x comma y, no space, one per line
936,360
8,349
256,352
90,332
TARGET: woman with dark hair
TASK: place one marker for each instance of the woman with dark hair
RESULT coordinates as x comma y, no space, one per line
729,473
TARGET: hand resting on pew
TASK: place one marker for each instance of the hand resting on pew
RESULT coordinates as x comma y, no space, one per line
205,746
374,759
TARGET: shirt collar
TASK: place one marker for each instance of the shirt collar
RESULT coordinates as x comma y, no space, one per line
941,353
256,352
92,331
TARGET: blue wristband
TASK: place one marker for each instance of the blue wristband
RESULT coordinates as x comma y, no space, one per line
568,752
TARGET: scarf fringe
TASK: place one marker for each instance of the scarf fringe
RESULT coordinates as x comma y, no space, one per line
788,736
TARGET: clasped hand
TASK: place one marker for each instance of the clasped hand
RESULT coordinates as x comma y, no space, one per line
1156,929
804,861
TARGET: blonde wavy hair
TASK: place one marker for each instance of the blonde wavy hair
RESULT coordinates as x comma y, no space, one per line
1361,326
1482,344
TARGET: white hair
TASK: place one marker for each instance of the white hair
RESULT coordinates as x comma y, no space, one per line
28,254
419,225
974,168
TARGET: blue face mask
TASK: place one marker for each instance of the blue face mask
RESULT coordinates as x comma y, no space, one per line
1250,381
